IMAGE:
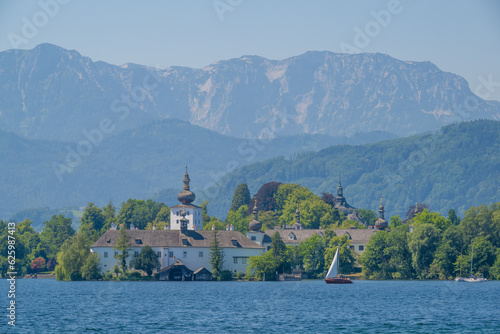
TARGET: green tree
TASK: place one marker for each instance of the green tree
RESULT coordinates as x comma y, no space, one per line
262,267
122,246
241,197
312,252
453,218
369,217
74,253
280,254
109,212
375,260
91,269
239,219
395,222
216,257
55,232
423,243
92,222
139,212
147,260
434,218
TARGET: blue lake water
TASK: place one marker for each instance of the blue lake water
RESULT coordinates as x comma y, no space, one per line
48,306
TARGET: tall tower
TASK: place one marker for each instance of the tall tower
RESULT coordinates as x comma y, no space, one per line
381,223
186,213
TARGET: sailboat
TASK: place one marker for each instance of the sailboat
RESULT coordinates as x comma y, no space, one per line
332,275
472,278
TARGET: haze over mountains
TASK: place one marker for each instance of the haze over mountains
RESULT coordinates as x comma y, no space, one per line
52,100
56,94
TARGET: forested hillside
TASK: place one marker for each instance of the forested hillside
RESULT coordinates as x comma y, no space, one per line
457,167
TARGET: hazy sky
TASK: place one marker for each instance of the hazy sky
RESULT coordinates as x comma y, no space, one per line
462,37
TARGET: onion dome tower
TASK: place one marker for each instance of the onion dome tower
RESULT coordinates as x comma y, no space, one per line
186,196
381,223
340,195
255,225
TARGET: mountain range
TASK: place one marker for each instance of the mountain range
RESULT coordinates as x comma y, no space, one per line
73,130
56,94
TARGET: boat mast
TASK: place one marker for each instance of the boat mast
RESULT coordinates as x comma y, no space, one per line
471,257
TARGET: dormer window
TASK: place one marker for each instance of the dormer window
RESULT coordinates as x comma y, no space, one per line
138,241
292,236
108,240
185,242
235,242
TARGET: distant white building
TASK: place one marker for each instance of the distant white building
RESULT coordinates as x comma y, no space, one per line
185,241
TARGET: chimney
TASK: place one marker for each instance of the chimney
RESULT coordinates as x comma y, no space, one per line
165,227
213,227
231,228
113,226
154,227
132,226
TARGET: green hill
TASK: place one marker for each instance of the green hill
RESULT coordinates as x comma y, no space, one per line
457,167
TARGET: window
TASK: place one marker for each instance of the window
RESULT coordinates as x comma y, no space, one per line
177,221
235,242
253,238
200,254
136,253
188,213
158,254
351,247
268,247
105,254
138,241
361,247
170,254
184,254
244,260
116,253
235,259
166,254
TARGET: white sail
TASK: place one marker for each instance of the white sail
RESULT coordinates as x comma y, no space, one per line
334,267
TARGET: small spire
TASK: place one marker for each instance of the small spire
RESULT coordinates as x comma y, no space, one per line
255,212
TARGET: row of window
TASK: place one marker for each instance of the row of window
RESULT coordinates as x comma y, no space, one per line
360,247
243,260
187,213
196,221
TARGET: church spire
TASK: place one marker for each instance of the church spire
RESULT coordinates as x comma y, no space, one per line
381,223
186,196
255,225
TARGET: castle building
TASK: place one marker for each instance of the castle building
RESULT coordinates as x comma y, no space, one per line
340,203
184,250
193,213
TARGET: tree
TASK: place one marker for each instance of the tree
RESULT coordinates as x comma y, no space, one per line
109,212
216,257
279,251
241,197
312,252
91,269
140,213
92,222
395,222
55,232
265,197
369,217
375,260
147,260
74,253
423,243
38,264
453,218
434,218
262,267
122,246
239,219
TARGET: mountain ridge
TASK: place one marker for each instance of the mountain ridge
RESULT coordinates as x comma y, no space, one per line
53,93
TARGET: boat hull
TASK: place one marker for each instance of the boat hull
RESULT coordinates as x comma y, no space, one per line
338,281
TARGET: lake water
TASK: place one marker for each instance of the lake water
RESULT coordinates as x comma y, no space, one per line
48,306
